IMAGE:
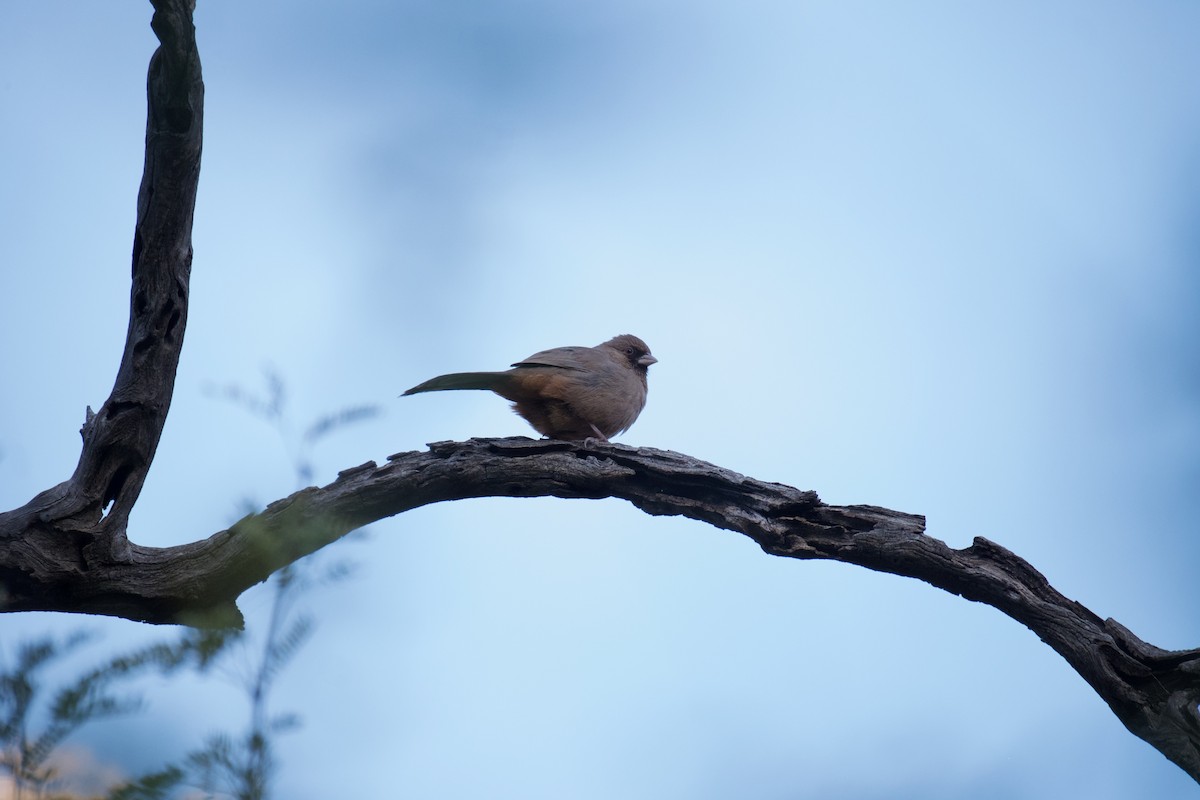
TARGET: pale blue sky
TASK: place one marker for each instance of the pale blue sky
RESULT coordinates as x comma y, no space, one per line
940,257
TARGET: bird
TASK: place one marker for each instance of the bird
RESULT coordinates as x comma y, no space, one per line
569,393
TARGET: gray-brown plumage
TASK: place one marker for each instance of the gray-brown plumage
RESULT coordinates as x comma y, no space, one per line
568,392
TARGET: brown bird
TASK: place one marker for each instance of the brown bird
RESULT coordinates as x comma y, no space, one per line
568,392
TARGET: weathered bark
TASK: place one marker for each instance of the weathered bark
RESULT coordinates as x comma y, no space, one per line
1154,692
67,549
66,531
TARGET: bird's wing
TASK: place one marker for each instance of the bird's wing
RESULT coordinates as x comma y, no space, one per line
574,358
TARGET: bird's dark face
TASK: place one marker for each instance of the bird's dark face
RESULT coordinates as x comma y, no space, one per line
633,349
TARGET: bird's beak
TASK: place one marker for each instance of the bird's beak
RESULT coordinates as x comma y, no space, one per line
647,360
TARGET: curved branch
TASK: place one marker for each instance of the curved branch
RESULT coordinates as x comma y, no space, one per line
1154,692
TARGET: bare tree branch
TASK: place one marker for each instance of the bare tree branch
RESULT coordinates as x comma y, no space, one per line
1154,692
89,512
67,549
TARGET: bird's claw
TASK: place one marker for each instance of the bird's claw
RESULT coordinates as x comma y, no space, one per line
590,441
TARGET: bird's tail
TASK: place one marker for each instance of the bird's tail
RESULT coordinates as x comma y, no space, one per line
461,380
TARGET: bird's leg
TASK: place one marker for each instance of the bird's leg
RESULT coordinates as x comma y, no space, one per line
599,437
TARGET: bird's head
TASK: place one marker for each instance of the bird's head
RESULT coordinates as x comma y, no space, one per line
633,349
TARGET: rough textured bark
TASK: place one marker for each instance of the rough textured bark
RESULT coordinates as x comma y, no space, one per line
85,517
67,549
1154,692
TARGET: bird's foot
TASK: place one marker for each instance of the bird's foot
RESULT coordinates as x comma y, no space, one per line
593,440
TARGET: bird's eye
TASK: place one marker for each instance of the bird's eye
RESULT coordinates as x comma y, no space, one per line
628,351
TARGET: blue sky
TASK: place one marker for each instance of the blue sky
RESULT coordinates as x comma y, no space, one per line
939,257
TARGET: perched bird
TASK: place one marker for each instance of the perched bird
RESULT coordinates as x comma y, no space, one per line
568,392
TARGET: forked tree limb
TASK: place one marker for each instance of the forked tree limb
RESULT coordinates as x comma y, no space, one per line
89,512
67,549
